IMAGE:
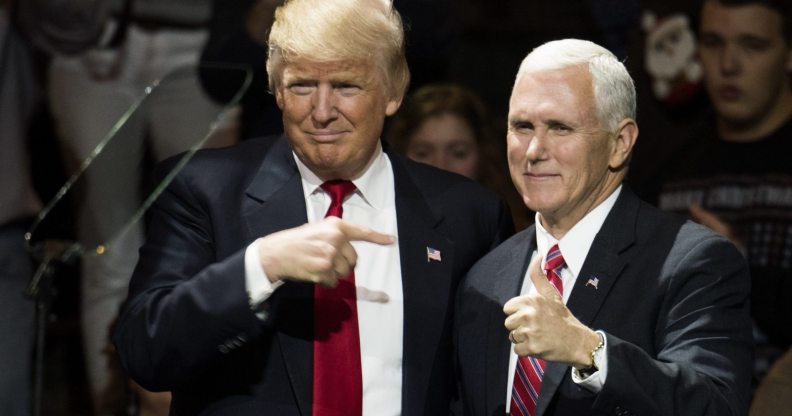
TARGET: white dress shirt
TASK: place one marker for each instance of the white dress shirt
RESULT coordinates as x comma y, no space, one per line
574,247
380,300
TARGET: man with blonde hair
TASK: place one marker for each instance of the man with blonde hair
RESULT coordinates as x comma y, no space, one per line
314,273
607,305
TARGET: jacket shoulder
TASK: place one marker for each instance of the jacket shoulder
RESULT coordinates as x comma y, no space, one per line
217,166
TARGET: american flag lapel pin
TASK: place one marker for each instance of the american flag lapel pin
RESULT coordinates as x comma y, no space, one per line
593,281
432,254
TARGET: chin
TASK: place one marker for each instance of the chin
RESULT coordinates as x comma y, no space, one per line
541,202
533,204
319,166
734,113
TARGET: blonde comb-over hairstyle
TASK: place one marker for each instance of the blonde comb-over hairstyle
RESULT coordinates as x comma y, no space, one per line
340,30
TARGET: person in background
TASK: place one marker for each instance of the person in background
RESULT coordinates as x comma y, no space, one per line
447,126
20,93
610,306
238,33
88,93
774,394
662,59
735,176
252,296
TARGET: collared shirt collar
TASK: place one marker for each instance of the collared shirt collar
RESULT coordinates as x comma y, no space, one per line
576,243
370,183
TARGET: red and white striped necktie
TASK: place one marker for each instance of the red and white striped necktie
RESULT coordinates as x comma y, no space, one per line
530,371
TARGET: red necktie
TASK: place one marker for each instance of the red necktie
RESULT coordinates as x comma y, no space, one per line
529,372
337,377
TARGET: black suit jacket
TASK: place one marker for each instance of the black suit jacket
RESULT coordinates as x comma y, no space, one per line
672,297
187,325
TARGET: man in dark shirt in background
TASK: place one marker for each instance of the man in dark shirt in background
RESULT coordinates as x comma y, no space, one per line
736,177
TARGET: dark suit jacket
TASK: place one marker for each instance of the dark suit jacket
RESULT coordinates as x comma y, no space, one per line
187,325
672,297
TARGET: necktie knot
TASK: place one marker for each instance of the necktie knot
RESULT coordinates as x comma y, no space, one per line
338,189
553,265
554,259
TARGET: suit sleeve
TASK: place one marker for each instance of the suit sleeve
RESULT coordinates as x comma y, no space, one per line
703,346
186,308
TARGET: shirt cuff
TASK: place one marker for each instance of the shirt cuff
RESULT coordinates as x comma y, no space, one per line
596,380
257,284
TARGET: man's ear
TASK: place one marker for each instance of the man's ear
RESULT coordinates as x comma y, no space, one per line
393,106
626,136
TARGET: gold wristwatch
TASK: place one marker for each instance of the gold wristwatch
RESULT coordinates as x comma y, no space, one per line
596,358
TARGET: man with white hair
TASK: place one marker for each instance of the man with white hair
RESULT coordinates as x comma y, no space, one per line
611,306
252,297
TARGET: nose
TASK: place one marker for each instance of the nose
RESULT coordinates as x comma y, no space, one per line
324,106
729,60
442,161
536,148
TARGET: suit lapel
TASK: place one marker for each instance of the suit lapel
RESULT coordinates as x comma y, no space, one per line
605,263
275,202
275,196
603,267
507,285
426,284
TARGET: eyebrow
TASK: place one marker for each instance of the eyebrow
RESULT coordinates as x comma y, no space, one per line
553,122
739,36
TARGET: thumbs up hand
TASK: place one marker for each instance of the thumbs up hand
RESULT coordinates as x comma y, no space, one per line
540,325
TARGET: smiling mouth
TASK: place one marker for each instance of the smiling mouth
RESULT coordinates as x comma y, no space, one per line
326,136
539,177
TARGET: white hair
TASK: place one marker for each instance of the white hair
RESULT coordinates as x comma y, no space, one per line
614,91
